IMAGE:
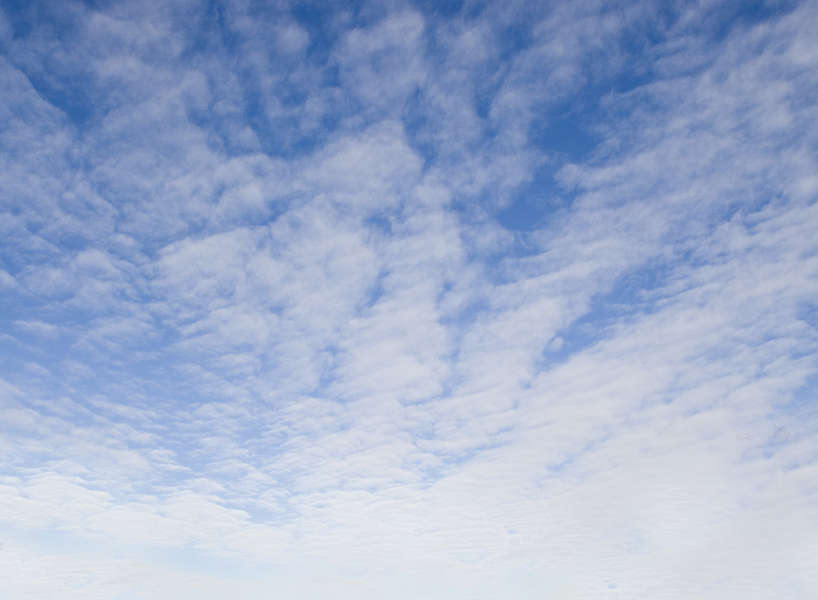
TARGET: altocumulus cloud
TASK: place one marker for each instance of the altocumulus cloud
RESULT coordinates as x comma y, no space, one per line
395,300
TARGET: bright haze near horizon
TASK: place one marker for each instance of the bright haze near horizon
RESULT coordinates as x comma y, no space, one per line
418,301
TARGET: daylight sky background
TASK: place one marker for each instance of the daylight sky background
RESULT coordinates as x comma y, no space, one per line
502,300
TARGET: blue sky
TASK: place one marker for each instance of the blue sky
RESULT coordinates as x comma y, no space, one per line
408,300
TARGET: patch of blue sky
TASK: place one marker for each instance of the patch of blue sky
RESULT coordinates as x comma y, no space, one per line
564,134
535,203
804,402
326,21
728,16
633,294
416,122
445,9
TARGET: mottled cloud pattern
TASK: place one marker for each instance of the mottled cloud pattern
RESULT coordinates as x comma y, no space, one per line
394,300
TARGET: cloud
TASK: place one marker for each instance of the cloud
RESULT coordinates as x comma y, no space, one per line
266,328
37,328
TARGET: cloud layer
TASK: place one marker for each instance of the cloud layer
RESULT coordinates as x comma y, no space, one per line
409,301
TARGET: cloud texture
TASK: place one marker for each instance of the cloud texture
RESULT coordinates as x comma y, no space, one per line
409,300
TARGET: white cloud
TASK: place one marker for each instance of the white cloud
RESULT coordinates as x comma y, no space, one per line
266,333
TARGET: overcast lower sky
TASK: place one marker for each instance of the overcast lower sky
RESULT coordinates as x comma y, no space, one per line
417,301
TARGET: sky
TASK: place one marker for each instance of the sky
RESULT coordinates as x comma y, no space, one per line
409,300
